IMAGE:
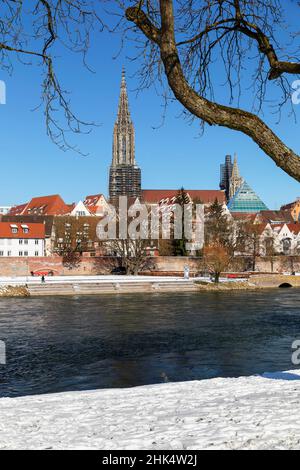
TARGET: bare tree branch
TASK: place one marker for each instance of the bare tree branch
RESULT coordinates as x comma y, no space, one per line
33,33
209,111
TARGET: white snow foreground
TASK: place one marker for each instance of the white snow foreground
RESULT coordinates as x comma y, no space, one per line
260,412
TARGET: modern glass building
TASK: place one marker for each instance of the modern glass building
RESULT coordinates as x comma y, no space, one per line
246,200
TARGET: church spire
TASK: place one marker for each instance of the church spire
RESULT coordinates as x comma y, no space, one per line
236,180
125,176
124,138
124,117
235,168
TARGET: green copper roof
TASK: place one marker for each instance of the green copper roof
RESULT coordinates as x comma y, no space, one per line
246,200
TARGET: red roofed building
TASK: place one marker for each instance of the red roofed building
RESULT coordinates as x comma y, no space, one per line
245,217
294,228
165,196
22,239
274,217
18,210
97,204
293,209
45,205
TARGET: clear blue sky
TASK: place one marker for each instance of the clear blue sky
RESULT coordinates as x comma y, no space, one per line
170,156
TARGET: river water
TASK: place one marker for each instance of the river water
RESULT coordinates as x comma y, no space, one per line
57,344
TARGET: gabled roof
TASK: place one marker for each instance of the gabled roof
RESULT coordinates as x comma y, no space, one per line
276,217
34,230
47,220
47,205
290,205
92,201
278,227
246,200
18,210
80,207
294,228
244,216
156,196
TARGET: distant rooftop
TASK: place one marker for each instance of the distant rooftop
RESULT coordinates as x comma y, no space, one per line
158,196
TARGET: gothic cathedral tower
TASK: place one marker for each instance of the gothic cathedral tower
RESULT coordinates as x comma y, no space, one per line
125,175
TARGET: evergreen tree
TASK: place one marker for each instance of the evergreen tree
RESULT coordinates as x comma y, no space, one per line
218,227
179,246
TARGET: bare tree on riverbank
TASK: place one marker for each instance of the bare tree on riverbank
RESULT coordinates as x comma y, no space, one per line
128,255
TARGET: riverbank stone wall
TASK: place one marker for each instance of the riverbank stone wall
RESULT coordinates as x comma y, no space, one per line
161,265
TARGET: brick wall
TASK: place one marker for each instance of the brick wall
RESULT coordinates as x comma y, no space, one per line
23,266
87,266
103,265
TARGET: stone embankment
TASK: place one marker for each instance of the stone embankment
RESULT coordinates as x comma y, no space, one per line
272,281
129,285
114,287
226,286
134,286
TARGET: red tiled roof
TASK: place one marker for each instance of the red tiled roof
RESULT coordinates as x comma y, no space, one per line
154,196
46,205
287,206
35,230
71,207
92,209
279,227
276,216
290,205
243,215
295,228
92,200
18,210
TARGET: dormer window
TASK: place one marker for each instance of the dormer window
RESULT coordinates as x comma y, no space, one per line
14,228
25,228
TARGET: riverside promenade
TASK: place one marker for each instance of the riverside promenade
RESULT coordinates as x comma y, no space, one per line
72,285
88,285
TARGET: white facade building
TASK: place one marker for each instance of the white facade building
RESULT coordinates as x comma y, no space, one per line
4,210
22,240
80,210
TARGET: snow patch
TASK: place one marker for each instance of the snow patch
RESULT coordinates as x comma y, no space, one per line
260,412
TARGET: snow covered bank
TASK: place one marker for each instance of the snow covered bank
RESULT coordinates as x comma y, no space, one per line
245,413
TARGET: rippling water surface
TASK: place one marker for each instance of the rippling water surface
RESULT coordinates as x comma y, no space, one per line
81,343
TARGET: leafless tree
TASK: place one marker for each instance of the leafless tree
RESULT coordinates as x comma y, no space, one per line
216,259
249,237
178,39
131,255
32,31
71,259
183,39
270,250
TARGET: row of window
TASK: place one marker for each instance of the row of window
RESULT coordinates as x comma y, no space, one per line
21,253
8,241
16,230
